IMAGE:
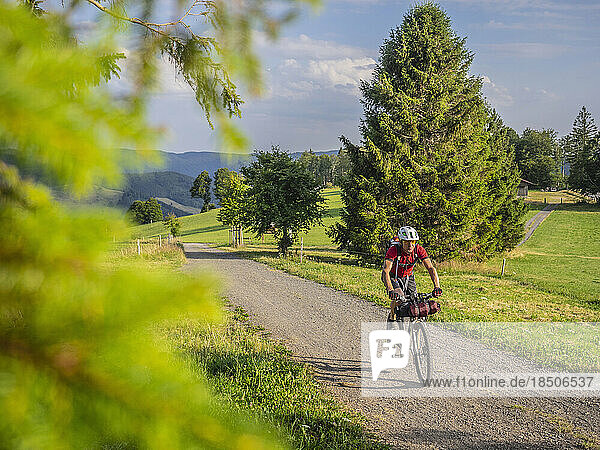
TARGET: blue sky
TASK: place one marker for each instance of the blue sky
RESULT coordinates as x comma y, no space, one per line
539,61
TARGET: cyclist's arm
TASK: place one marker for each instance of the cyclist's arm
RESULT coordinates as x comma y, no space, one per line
385,274
432,272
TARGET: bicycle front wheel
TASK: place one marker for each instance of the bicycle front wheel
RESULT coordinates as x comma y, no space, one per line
421,352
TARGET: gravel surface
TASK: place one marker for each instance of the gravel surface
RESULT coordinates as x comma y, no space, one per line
322,326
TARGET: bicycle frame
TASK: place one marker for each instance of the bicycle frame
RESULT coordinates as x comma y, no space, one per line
419,347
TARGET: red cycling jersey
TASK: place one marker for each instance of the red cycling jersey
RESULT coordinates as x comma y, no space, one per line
405,263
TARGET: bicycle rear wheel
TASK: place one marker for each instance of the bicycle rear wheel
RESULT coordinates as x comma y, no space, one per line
421,352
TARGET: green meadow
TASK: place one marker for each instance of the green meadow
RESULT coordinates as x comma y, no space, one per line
205,227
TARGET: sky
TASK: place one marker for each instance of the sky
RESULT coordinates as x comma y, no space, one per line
539,61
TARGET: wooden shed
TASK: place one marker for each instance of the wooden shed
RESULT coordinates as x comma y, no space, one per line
524,188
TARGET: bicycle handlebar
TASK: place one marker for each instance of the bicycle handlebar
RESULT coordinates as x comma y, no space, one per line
422,296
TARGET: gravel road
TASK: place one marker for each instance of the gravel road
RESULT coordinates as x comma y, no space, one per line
321,326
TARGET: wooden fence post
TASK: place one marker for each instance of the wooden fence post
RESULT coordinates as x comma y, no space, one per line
301,248
503,266
139,248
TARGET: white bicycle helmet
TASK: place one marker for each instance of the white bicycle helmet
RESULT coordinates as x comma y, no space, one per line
408,234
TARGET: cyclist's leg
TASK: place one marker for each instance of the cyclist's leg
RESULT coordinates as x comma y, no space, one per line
392,315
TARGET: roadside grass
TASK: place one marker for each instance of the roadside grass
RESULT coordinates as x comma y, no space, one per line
249,374
499,312
467,296
256,375
570,346
153,255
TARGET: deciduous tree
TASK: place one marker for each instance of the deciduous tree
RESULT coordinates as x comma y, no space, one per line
148,211
538,157
283,195
172,224
221,180
201,189
234,204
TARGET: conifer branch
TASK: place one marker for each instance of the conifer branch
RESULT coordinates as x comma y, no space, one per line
156,27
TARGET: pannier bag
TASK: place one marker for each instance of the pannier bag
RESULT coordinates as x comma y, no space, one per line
419,309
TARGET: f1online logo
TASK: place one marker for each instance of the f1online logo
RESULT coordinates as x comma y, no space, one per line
389,349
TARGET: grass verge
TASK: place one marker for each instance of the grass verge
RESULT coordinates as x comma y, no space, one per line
256,375
250,374
151,253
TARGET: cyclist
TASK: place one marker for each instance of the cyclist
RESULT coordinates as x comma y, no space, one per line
398,265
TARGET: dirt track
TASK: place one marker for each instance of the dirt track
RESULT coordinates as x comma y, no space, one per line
533,223
321,326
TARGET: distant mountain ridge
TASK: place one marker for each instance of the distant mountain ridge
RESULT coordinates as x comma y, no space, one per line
172,185
170,182
193,163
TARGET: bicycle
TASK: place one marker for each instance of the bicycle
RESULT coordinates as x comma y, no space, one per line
419,342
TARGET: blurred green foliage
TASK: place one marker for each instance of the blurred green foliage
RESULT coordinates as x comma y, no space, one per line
80,363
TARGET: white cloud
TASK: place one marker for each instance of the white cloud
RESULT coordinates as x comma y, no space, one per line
305,65
346,72
168,81
496,95
539,95
541,25
290,63
543,5
499,95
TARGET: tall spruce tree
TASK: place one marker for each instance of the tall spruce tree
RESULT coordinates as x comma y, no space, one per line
433,155
583,154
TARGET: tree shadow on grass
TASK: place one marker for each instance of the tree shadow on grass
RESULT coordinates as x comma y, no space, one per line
331,193
207,254
334,212
580,207
204,230
343,372
536,206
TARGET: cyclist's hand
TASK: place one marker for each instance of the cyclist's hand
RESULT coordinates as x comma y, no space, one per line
394,295
437,292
